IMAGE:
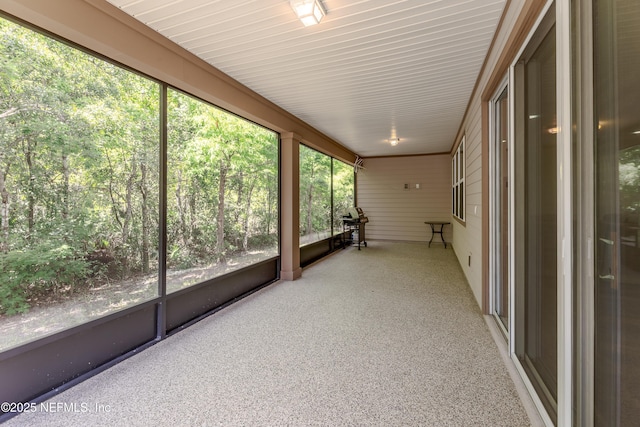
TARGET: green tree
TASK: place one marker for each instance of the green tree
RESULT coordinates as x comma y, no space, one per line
78,163
315,192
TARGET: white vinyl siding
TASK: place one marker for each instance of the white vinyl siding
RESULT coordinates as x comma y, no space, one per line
467,236
399,213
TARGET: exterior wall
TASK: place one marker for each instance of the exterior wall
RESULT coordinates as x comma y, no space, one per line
398,214
467,236
470,239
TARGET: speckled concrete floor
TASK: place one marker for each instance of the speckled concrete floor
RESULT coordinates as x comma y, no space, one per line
386,336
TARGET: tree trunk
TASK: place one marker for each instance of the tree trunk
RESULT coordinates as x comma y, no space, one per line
224,168
309,226
145,219
4,214
65,187
114,202
270,197
238,212
193,217
126,225
184,231
31,197
128,215
247,216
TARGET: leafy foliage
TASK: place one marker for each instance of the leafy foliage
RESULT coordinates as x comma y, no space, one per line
31,273
629,170
343,192
315,193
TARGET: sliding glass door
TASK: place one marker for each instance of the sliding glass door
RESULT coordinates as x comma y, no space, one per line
536,214
617,212
576,263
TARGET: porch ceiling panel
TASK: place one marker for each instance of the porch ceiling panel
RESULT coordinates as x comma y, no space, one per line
372,69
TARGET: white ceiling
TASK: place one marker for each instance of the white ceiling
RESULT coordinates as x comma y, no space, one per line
372,69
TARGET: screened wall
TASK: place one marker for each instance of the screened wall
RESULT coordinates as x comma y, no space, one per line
222,192
327,191
79,167
315,195
80,163
129,209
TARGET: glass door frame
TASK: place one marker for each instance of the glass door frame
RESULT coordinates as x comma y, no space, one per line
495,197
565,214
583,198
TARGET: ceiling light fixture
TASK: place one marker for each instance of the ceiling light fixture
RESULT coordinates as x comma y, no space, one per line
394,141
310,12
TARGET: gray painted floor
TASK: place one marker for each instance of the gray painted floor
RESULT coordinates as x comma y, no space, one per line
386,336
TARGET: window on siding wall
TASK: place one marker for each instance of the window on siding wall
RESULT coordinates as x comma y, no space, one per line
458,166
